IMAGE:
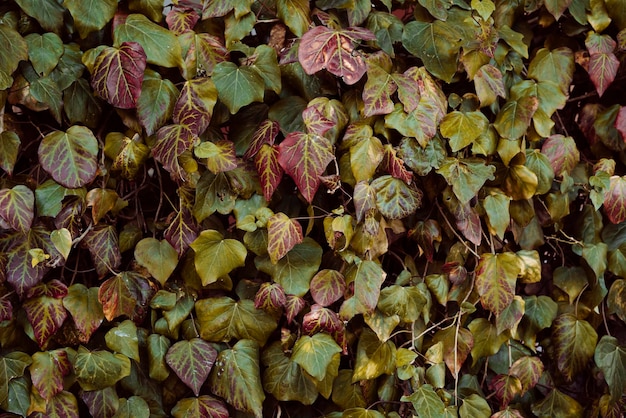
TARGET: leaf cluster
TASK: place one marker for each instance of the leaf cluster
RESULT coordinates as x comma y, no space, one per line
339,208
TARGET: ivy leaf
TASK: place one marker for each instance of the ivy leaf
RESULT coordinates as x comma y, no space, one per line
487,340
12,366
204,51
314,354
327,287
103,244
83,304
334,50
528,370
497,209
222,319
365,156
45,311
283,233
557,7
192,361
123,339
457,346
268,166
305,157
219,156
436,43
70,157
194,106
506,388
466,176
156,103
91,15
10,148
202,406
426,400
236,377
180,20
130,159
182,231
463,128
615,200
265,133
285,379
237,86
368,276
63,404
377,91
17,207
160,45
557,404
373,357
496,276
562,153
515,116
158,257
48,370
575,343
15,50
99,369
489,84
102,403
216,256
295,14
127,294
611,359
171,142
133,407
405,301
118,74
44,51
603,64
394,198
294,270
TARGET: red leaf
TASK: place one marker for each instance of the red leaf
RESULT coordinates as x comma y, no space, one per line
615,200
603,63
283,233
321,319
47,372
305,157
269,169
562,153
315,121
505,388
426,233
265,133
334,50
195,104
293,306
126,294
528,370
182,231
377,92
620,122
394,165
64,405
103,244
180,20
327,287
270,297
101,403
364,200
45,311
118,74
171,142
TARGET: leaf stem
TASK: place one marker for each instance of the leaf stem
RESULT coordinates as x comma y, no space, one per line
461,239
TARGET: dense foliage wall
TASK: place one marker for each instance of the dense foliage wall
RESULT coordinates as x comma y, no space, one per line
335,208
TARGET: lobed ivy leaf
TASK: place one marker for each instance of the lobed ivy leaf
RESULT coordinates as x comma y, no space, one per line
158,257
377,91
315,353
222,319
487,340
556,403
295,14
126,293
466,176
236,377
603,64
181,20
99,369
237,86
327,287
70,157
365,157
218,9
201,52
118,73
334,50
91,15
463,128
17,207
86,310
457,346
506,388
426,400
133,407
47,370
171,142
182,231
44,51
12,366
373,357
562,153
496,276
156,103
489,84
45,311
102,403
216,256
192,361
194,106
285,379
220,156
267,164
63,404
201,406
611,359
575,343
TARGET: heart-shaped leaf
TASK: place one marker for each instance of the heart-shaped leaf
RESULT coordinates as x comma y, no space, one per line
216,256
327,287
48,370
90,15
46,312
156,103
123,339
283,234
159,257
86,310
194,106
237,86
575,342
172,141
98,369
285,379
314,354
496,276
192,362
202,406
615,200
17,207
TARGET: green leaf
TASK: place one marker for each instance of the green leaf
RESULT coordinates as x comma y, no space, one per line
90,15
216,256
125,294
133,407
514,118
17,207
203,52
49,14
611,359
14,50
295,14
70,157
285,379
236,377
10,148
156,103
475,406
463,128
83,304
496,276
396,199
12,366
373,357
487,340
48,370
160,45
361,413
158,257
426,401
377,91
158,345
222,319
489,83
436,44
557,7
202,406
237,86
528,370
555,65
81,105
314,354
539,164
368,276
575,342
558,405
123,339
192,362
99,369
497,208
345,393
405,301
44,51
466,176
295,270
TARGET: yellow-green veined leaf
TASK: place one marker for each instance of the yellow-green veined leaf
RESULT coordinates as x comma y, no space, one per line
558,405
90,15
327,287
373,357
574,342
489,84
496,276
160,45
86,310
466,176
17,207
497,209
127,294
295,14
99,369
219,156
45,311
216,256
514,118
222,319
315,353
202,406
194,106
172,141
462,129
528,370
396,199
48,370
181,20
283,233
123,339
103,245
192,361
63,404
203,53
158,257
426,401
236,377
365,156
133,407
270,172
101,403
70,157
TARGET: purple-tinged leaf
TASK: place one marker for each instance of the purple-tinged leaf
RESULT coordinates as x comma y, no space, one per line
394,165
334,50
17,207
45,311
562,153
269,169
219,156
103,245
48,370
102,403
377,92
528,370
265,133
125,294
221,8
574,344
270,297
172,141
203,406
315,121
496,276
620,122
118,74
195,104
6,308
615,200
85,308
181,19
327,287
426,233
603,64
321,319
70,157
489,84
293,306
283,233
203,53
192,361
410,87
505,387
182,230
63,404
10,148
396,199
305,157
364,200
515,116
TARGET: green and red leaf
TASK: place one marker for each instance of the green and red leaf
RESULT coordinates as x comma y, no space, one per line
192,361
202,406
103,245
283,233
172,141
496,276
219,156
575,342
48,370
45,310
327,287
615,200
265,133
86,310
125,294
180,20
562,153
17,207
194,106
268,166
603,63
